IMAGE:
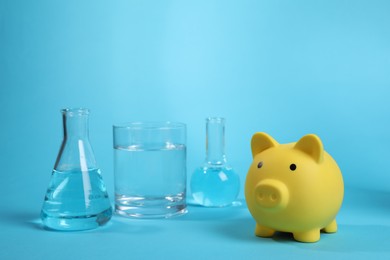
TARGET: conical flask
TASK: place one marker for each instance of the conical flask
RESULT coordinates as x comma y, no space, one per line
215,184
76,198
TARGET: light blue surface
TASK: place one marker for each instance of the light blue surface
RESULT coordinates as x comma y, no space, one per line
284,67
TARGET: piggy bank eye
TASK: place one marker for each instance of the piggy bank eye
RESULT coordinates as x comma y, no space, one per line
293,167
259,165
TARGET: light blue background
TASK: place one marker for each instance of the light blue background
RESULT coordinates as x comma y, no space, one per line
284,67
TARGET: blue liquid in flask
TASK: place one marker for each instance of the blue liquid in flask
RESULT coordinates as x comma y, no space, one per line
214,186
76,200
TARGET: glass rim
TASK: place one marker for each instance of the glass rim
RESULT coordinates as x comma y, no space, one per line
150,125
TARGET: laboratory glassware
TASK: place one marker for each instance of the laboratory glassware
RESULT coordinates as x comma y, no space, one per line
76,198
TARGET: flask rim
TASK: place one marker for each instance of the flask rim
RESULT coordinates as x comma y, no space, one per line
215,119
150,125
75,111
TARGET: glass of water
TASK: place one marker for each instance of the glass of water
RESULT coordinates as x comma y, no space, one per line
150,169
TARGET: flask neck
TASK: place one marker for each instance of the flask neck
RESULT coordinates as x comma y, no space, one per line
215,141
75,123
76,151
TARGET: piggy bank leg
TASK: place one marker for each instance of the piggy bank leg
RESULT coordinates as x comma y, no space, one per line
331,228
307,236
262,231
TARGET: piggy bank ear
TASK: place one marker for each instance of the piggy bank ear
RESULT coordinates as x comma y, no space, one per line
261,142
312,145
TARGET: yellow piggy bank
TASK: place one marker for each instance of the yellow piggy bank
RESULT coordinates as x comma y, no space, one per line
295,187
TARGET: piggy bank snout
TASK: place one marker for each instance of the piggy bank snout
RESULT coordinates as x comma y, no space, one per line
271,194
